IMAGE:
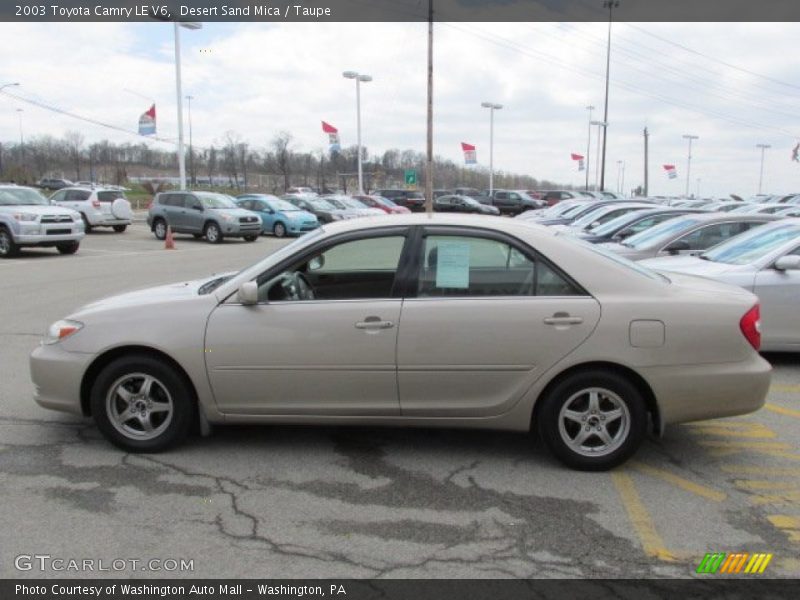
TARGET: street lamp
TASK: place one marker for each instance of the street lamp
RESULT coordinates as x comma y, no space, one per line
761,173
189,98
588,145
191,25
689,160
359,79
600,125
620,176
610,5
492,107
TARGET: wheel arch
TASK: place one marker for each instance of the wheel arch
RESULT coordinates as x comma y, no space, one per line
635,378
99,363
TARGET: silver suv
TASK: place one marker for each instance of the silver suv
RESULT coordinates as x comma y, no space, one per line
203,214
99,207
28,219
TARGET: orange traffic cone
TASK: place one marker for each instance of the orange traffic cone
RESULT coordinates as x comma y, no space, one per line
169,242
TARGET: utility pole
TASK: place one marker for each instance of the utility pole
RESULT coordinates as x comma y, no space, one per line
689,160
429,165
610,5
761,172
191,151
590,108
646,165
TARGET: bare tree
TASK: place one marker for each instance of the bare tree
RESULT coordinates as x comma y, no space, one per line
283,155
74,140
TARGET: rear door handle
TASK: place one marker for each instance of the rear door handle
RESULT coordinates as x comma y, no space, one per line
374,323
563,319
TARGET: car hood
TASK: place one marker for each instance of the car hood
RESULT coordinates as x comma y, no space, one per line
233,212
691,265
151,295
39,209
299,215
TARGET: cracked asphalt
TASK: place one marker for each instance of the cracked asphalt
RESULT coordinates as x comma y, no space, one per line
341,502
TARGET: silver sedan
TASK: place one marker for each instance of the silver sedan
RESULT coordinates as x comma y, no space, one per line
765,261
411,320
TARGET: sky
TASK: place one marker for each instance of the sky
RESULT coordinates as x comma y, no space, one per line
734,85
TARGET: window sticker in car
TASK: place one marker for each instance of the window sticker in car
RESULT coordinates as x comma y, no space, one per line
452,265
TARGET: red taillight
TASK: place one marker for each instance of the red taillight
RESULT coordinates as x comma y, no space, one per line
751,326
96,203
150,205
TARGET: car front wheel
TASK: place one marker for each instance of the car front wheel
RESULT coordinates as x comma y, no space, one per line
213,234
120,228
141,404
279,230
593,420
250,238
87,227
68,247
8,247
160,229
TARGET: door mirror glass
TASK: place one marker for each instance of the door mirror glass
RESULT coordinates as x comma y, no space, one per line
316,263
248,293
788,263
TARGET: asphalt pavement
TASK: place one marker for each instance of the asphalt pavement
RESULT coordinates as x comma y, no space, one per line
279,501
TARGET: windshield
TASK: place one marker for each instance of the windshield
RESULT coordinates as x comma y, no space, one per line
384,201
595,215
470,201
21,197
616,223
752,246
353,203
660,233
278,204
211,200
321,204
574,210
337,203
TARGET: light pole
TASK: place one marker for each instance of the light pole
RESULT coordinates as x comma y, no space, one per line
761,172
689,160
590,108
189,99
610,5
492,107
600,125
359,79
181,157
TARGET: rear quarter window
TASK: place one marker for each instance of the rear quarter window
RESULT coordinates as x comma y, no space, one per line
109,196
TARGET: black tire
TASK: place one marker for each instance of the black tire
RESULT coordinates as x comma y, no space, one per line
250,238
170,387
213,233
279,230
120,228
160,229
624,433
87,228
8,247
68,247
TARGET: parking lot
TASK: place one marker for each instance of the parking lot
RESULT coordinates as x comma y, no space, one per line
283,501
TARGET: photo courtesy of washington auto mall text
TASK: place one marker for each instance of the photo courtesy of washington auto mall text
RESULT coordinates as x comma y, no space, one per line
399,299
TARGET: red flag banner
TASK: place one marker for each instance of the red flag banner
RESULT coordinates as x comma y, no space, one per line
328,128
470,156
579,158
672,173
147,122
465,147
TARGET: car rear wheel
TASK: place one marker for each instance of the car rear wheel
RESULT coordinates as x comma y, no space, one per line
120,228
160,229
141,404
279,230
68,247
8,247
87,227
213,234
593,420
250,238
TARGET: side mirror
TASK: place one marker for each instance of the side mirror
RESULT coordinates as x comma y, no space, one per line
625,233
316,263
248,293
197,207
678,246
787,263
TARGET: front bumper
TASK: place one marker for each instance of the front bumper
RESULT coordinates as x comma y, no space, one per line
298,228
57,376
53,235
240,229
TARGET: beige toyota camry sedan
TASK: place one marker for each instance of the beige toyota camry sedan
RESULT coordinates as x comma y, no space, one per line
410,320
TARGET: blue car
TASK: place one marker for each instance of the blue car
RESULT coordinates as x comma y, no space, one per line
278,217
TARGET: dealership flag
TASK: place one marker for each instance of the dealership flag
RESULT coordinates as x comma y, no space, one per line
671,172
470,157
579,158
147,122
333,136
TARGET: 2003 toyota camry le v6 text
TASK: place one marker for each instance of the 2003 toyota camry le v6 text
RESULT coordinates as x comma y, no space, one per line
449,321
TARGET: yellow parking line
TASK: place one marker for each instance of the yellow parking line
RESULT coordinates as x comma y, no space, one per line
788,524
651,541
685,484
782,498
753,484
754,431
777,387
727,423
724,448
756,470
783,411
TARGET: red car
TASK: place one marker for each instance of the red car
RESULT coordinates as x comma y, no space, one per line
382,203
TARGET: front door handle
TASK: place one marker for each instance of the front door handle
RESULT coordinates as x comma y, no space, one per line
374,323
562,318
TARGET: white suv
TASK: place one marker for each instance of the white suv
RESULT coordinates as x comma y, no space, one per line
99,207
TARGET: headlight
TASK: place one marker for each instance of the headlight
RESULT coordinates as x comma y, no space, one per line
76,217
336,217
25,216
60,330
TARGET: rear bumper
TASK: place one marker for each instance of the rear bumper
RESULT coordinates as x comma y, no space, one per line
698,392
56,376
